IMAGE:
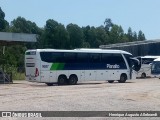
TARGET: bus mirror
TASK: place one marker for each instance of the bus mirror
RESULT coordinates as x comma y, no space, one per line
150,64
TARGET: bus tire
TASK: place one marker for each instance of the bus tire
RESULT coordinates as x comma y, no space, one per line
123,78
72,80
143,75
110,81
49,84
62,80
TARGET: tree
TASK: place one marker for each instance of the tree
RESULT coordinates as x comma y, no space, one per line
92,37
116,34
2,14
21,25
108,24
101,36
125,38
85,30
3,23
61,37
49,39
135,36
55,35
121,34
130,34
76,36
141,36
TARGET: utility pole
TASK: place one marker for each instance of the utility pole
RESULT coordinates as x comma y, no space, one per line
3,57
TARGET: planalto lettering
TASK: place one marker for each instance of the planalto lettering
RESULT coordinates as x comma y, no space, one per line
113,66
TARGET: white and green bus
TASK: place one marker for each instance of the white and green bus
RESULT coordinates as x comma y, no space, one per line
71,66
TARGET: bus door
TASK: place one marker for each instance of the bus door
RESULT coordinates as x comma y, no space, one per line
136,66
133,64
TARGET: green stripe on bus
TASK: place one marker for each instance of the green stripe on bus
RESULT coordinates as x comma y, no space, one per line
61,66
57,66
54,66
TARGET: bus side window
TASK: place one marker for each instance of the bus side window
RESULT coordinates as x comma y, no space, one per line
46,56
70,57
82,58
147,60
52,57
57,57
113,59
95,58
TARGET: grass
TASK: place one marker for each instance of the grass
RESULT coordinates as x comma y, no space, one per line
18,76
10,70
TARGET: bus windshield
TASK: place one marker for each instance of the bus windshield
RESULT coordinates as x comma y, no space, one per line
155,69
133,62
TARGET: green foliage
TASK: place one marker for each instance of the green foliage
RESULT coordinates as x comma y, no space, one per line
116,34
18,75
141,36
55,35
2,14
108,24
76,36
21,25
3,23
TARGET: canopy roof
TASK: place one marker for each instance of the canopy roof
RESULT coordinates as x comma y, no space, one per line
129,44
11,38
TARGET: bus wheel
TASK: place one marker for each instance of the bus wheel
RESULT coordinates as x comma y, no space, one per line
62,80
49,84
110,81
123,78
73,80
143,75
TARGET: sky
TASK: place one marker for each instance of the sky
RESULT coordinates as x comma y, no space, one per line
138,14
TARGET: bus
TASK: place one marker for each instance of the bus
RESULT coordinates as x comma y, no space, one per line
155,68
71,66
145,62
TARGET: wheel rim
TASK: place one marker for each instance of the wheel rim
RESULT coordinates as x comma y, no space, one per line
122,79
61,81
73,80
143,75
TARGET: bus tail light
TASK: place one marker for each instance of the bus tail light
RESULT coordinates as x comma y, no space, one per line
36,73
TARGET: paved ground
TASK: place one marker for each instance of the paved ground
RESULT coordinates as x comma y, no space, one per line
134,95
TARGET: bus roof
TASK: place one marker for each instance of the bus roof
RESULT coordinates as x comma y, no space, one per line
149,56
82,50
158,59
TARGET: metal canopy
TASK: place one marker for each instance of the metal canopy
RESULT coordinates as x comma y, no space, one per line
129,44
9,38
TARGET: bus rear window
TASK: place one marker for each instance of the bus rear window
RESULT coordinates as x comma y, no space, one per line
147,60
30,64
31,53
